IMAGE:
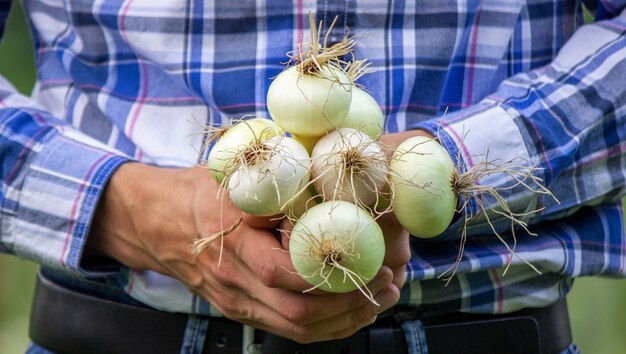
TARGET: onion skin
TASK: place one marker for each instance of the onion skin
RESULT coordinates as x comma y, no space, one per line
306,141
348,228
327,161
424,200
309,105
264,188
364,114
235,139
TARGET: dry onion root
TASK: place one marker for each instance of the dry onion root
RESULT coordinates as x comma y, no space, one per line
349,165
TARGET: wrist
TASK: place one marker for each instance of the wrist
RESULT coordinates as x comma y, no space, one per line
112,216
125,215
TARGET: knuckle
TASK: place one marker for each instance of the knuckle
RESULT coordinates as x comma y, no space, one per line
295,313
224,274
294,310
400,277
372,320
233,308
367,314
399,259
344,333
267,273
355,299
301,334
405,255
229,305
243,312
195,283
363,317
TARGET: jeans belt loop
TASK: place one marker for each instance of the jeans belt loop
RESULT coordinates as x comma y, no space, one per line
248,345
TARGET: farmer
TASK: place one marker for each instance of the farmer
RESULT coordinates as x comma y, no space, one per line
99,184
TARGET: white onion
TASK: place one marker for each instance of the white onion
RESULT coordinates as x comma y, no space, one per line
349,165
236,138
265,185
364,114
424,200
309,105
337,247
307,142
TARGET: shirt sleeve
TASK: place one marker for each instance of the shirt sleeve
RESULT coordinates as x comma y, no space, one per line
52,176
567,120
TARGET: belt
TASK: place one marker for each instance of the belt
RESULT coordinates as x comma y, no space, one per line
67,321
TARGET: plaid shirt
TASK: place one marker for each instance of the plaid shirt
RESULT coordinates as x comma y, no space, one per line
124,80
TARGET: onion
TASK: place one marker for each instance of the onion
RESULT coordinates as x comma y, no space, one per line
269,177
309,104
349,165
364,114
428,187
424,200
337,247
232,140
307,142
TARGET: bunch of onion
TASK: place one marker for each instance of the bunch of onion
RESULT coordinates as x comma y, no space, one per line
336,245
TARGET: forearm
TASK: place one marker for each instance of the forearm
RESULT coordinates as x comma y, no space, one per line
113,234
145,207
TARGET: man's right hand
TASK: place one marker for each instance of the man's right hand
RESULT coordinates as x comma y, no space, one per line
149,218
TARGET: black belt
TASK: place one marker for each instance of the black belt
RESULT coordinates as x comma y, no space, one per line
66,321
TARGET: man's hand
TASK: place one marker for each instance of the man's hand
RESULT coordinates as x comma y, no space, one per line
149,218
397,249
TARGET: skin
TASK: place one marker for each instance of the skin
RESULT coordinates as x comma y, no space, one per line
149,217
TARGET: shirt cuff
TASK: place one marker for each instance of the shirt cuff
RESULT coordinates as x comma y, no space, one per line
62,185
487,131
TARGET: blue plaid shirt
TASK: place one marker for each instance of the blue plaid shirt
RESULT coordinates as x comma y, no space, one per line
131,80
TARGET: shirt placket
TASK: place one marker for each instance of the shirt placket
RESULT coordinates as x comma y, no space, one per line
328,10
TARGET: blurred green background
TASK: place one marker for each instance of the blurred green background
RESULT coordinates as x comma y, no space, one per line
597,306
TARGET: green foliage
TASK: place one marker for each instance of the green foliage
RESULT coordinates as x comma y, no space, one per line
17,279
17,63
598,315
